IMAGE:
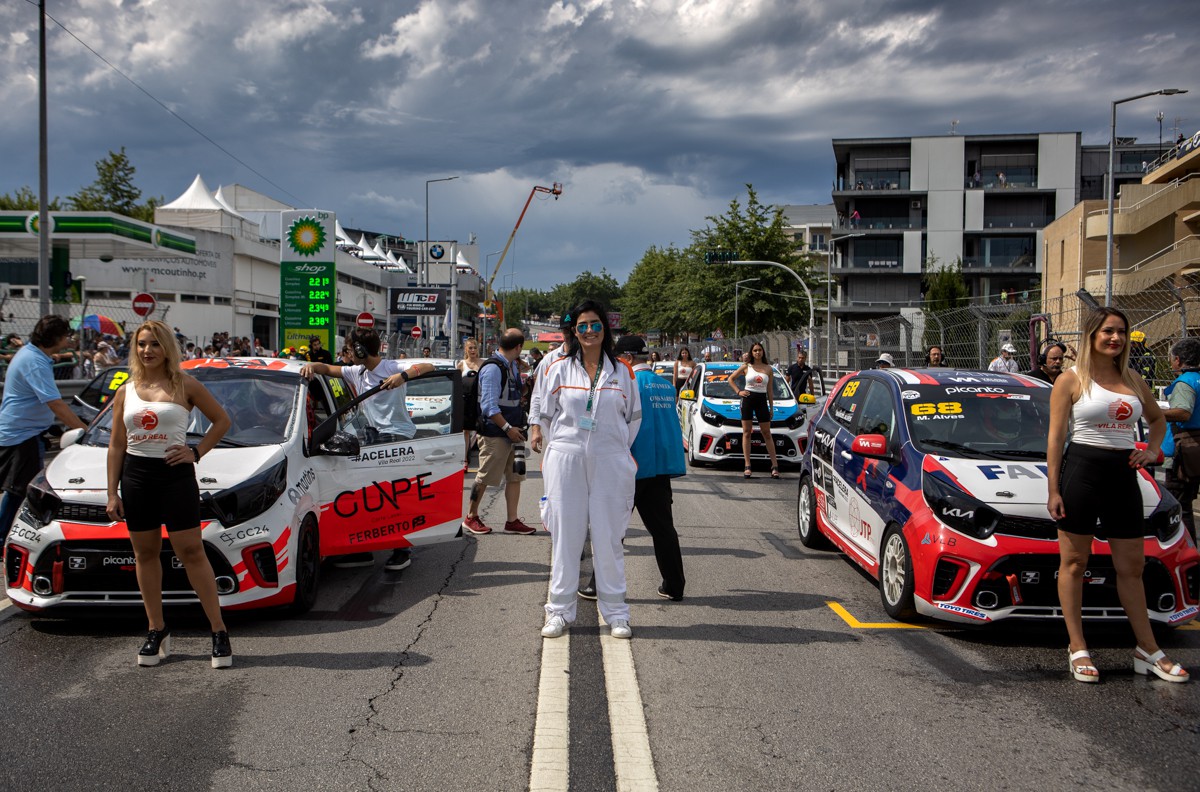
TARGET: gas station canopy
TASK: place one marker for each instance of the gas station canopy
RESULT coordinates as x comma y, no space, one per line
102,235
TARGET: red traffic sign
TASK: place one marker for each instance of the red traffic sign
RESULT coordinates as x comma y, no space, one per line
416,331
144,304
365,319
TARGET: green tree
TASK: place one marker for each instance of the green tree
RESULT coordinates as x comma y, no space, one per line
651,298
114,190
757,232
945,291
601,287
25,199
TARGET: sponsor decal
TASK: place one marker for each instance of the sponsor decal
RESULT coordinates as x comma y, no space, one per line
76,562
962,513
974,389
176,563
302,486
959,609
1018,397
1031,577
945,541
927,540
119,561
1183,614
980,378
1088,577
994,472
386,455
1120,410
25,534
382,513
242,534
909,395
857,524
147,419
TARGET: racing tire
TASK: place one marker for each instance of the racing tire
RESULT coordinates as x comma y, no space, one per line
308,567
692,459
806,517
896,575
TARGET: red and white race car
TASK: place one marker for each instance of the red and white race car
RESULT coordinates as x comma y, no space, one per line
299,476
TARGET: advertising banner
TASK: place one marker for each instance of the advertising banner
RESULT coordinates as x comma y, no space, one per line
418,302
307,279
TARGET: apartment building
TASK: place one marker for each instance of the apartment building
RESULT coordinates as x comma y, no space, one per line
1156,250
903,203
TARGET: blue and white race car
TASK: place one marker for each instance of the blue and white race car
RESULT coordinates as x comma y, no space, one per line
710,414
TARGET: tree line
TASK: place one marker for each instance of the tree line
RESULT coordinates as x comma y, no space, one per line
113,191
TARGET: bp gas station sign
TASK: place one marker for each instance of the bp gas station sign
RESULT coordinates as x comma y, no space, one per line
307,279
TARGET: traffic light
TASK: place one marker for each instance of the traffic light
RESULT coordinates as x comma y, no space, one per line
719,257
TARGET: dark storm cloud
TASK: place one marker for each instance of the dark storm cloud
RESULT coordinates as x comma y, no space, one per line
654,114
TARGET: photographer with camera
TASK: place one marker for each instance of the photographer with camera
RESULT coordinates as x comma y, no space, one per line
501,434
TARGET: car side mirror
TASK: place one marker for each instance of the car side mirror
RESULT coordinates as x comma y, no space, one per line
873,446
807,398
70,437
340,444
687,395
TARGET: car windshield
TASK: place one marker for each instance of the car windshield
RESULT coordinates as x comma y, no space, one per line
259,405
994,421
716,385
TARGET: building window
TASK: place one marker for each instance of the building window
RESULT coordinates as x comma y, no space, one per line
222,301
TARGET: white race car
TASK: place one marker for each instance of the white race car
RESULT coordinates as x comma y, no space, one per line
710,416
295,479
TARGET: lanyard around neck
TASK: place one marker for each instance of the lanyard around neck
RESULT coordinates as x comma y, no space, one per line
595,382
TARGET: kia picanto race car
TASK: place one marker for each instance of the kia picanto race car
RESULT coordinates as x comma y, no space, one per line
710,414
299,475
934,482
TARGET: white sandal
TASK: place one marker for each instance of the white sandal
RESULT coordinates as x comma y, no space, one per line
1077,671
1145,663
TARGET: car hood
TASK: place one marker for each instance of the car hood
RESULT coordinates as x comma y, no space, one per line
1008,483
83,468
732,408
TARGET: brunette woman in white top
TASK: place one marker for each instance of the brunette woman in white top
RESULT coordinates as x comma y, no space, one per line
684,364
1095,481
756,395
469,366
152,481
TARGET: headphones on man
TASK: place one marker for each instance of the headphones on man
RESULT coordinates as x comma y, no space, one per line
356,345
1050,344
933,347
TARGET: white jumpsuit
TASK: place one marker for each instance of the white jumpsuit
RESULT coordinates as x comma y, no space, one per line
589,479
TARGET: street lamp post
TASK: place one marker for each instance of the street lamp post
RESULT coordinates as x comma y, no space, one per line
1112,153
736,286
829,297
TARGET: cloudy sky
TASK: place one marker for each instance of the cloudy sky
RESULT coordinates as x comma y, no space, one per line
652,113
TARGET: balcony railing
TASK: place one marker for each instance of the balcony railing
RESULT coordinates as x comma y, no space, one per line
877,223
1017,221
997,261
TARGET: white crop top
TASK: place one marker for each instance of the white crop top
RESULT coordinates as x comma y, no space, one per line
685,370
1104,418
151,427
756,381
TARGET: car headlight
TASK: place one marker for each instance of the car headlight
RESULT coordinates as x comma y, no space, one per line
1166,519
957,509
711,416
250,498
41,501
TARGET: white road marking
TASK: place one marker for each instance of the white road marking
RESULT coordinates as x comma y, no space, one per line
551,731
632,759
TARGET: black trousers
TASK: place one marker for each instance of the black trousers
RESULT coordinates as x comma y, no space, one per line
652,499
1184,490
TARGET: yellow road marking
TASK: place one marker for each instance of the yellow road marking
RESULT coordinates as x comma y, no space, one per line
856,624
1189,626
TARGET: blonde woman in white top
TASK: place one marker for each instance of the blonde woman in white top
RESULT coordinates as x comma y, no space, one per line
469,366
152,481
1095,482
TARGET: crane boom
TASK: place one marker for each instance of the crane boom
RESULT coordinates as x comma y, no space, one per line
556,191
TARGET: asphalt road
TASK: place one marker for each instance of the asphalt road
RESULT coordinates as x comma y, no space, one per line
428,679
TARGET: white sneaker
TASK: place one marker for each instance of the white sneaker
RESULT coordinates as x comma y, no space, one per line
554,627
620,629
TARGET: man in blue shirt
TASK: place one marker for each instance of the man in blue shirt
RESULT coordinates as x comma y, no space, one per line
31,403
658,450
501,435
